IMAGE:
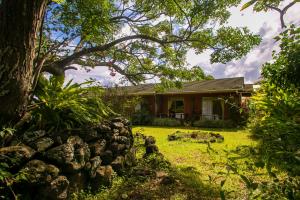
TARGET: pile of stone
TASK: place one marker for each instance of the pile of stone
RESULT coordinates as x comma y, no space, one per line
59,164
198,136
148,143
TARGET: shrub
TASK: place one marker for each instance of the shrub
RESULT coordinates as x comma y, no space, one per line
275,108
274,120
142,117
214,124
58,106
120,102
166,122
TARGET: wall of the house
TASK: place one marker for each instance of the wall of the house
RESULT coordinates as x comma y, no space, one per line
192,103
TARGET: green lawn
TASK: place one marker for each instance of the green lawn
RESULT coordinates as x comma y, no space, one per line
197,170
209,164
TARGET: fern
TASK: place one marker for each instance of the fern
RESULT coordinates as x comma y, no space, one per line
57,106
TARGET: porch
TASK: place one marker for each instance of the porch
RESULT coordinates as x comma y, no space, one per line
190,106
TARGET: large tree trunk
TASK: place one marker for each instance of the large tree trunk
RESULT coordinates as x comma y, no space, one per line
20,21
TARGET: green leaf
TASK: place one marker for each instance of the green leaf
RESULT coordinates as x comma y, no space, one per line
259,164
59,1
223,182
248,4
222,195
246,180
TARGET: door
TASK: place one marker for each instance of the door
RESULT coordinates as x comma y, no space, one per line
207,107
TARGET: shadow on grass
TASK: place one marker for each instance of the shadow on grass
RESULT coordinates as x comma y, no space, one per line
154,178
175,183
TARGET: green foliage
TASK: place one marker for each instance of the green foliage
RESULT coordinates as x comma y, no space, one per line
142,117
214,124
275,121
167,30
284,72
262,5
58,106
169,122
244,159
6,132
276,106
120,102
8,179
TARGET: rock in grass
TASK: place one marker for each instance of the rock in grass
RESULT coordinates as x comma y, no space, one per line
149,140
167,180
118,164
31,136
103,177
150,149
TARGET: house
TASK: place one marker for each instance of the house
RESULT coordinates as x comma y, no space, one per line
214,99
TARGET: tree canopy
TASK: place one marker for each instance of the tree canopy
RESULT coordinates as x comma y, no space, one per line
140,39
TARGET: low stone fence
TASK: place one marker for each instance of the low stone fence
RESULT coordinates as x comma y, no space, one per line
59,164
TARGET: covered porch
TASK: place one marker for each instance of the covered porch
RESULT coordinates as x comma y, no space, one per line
190,106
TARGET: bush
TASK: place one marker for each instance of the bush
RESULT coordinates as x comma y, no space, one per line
142,117
275,108
274,120
166,122
120,102
58,106
214,124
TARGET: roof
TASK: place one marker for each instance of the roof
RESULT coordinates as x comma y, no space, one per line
194,87
248,87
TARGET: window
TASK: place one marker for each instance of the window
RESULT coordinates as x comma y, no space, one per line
177,106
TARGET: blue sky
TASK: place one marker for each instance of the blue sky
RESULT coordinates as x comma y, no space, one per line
267,25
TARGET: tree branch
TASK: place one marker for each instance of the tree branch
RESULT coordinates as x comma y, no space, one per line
66,61
282,11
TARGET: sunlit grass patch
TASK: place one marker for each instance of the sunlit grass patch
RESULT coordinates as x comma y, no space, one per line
209,162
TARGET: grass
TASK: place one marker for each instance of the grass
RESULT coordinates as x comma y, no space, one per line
210,163
196,170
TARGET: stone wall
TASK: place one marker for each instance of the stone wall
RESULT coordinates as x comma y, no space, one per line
59,164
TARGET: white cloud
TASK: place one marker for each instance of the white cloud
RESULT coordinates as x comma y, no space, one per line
267,25
101,74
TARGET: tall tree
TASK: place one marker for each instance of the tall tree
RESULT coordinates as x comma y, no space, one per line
138,39
20,22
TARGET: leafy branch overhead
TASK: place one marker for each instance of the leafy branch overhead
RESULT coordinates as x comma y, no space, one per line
139,39
265,5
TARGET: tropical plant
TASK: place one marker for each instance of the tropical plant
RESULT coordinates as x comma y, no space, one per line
58,106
